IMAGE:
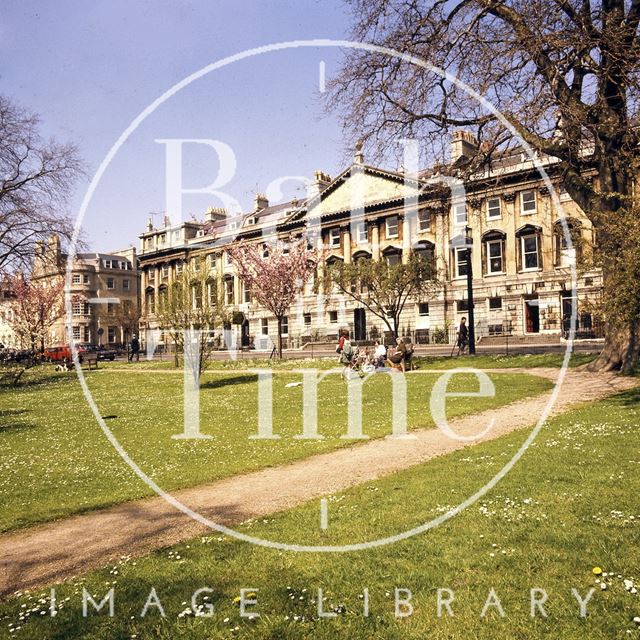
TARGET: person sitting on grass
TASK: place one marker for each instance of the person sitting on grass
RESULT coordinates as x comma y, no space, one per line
346,357
397,358
379,355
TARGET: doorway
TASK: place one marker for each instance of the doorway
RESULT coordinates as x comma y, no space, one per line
244,333
359,324
532,314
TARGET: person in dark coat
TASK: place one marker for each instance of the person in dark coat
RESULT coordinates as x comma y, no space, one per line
135,349
463,337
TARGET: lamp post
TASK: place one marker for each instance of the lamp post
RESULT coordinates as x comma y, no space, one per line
472,331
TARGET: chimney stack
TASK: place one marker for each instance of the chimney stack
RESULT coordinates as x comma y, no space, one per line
260,202
463,145
215,213
321,181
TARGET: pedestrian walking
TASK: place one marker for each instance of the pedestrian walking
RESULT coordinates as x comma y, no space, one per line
135,349
463,337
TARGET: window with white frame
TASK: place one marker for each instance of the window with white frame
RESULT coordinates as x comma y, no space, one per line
529,246
391,227
460,214
527,202
111,283
424,220
87,334
334,237
165,270
285,326
179,267
361,233
462,262
228,291
76,308
152,274
333,317
264,326
75,278
246,292
493,208
76,332
495,259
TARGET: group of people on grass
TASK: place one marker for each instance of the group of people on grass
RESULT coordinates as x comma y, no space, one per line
368,360
365,360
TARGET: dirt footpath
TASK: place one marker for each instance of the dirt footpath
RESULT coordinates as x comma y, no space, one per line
58,550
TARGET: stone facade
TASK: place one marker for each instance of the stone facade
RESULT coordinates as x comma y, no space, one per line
104,294
521,263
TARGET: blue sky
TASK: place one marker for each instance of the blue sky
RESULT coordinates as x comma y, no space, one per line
89,68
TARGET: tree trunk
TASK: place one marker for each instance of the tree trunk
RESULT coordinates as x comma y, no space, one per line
279,318
621,350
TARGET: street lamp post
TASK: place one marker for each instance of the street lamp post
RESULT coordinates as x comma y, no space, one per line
472,331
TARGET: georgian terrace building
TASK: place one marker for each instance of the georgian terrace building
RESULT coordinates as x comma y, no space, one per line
520,258
104,294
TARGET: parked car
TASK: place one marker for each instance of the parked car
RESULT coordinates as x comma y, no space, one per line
63,353
102,352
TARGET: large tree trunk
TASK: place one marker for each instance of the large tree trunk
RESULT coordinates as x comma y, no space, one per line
621,350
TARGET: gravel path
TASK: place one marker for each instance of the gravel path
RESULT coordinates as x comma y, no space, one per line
58,550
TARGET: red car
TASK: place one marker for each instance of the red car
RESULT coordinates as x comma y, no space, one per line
63,353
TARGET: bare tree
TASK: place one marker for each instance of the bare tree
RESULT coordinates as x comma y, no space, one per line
36,177
563,72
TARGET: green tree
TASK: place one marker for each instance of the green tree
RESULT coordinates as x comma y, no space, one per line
383,288
191,302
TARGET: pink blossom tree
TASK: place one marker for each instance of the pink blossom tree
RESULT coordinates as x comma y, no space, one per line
35,306
274,274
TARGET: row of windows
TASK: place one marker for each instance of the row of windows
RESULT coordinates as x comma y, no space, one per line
493,207
84,334
529,258
112,263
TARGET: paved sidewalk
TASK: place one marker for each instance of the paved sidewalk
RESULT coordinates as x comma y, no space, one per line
58,550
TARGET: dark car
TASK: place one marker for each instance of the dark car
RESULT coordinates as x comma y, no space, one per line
102,352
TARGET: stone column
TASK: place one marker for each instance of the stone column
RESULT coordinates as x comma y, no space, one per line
320,270
346,243
375,240
406,237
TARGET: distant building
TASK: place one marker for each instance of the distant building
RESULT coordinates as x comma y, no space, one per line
104,290
8,338
521,260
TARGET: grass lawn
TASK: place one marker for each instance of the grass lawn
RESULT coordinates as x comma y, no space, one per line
56,461
481,361
571,503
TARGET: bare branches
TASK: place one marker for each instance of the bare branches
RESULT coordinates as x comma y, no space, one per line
36,177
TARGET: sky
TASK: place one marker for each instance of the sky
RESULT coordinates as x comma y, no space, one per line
90,68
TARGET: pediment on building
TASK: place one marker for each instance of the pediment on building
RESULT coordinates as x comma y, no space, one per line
361,185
